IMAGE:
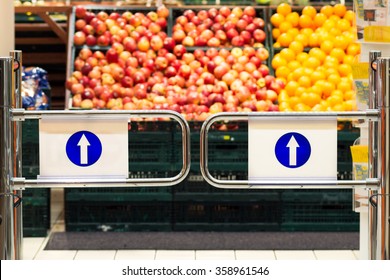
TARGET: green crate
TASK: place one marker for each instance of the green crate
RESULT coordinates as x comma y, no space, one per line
118,216
226,215
36,212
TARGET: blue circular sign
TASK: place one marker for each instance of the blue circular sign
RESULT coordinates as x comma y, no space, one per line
292,150
83,148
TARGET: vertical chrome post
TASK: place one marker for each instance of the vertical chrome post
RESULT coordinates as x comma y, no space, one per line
17,136
7,251
372,154
383,86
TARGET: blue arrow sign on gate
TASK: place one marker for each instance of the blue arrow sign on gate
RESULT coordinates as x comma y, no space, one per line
292,150
83,148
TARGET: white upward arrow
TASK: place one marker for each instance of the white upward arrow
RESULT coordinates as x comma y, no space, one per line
83,143
293,145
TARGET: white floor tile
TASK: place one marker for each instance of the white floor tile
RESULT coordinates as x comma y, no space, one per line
334,255
95,255
56,255
294,255
31,246
214,255
255,255
175,255
135,255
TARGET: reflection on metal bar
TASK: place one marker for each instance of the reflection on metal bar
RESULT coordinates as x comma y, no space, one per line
277,184
383,205
7,242
20,183
17,162
372,154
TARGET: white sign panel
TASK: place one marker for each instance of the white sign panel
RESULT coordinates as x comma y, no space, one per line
292,149
83,147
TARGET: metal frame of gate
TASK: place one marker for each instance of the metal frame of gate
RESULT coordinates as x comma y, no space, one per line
378,182
12,183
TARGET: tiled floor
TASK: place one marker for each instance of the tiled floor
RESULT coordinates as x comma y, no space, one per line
33,249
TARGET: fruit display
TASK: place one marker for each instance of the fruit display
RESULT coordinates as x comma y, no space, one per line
220,27
138,66
314,51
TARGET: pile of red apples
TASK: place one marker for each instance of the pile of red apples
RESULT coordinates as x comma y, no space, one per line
140,67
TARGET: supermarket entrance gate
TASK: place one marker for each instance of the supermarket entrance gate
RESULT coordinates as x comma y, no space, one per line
12,181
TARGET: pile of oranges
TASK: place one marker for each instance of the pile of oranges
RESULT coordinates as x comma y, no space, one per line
317,49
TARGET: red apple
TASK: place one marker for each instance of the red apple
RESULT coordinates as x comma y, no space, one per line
79,38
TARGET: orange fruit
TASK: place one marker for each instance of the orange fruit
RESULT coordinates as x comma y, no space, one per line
282,72
350,105
292,65
276,19
350,16
353,49
309,11
344,70
297,73
278,61
303,39
349,59
340,41
310,98
275,33
291,87
305,21
334,78
312,62
283,9
296,46
294,100
301,57
329,25
327,10
301,107
293,18
339,10
319,19
350,95
293,32
288,54
284,40
344,86
284,106
327,88
304,81
343,24
337,53
317,76
318,53
285,26
327,46
314,40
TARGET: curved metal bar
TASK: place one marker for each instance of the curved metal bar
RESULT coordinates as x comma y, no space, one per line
20,183
278,184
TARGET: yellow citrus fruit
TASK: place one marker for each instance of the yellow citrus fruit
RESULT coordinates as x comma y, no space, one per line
301,57
312,62
282,72
334,78
319,19
340,41
278,61
318,53
294,100
303,39
314,40
275,33
301,107
344,86
292,65
284,40
327,46
276,19
327,10
337,53
309,11
317,76
293,32
288,54
344,70
329,24
305,21
339,10
311,99
297,73
304,81
293,18
327,88
349,59
296,46
283,9
350,16
343,24
350,105
291,87
353,49
285,26
350,95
